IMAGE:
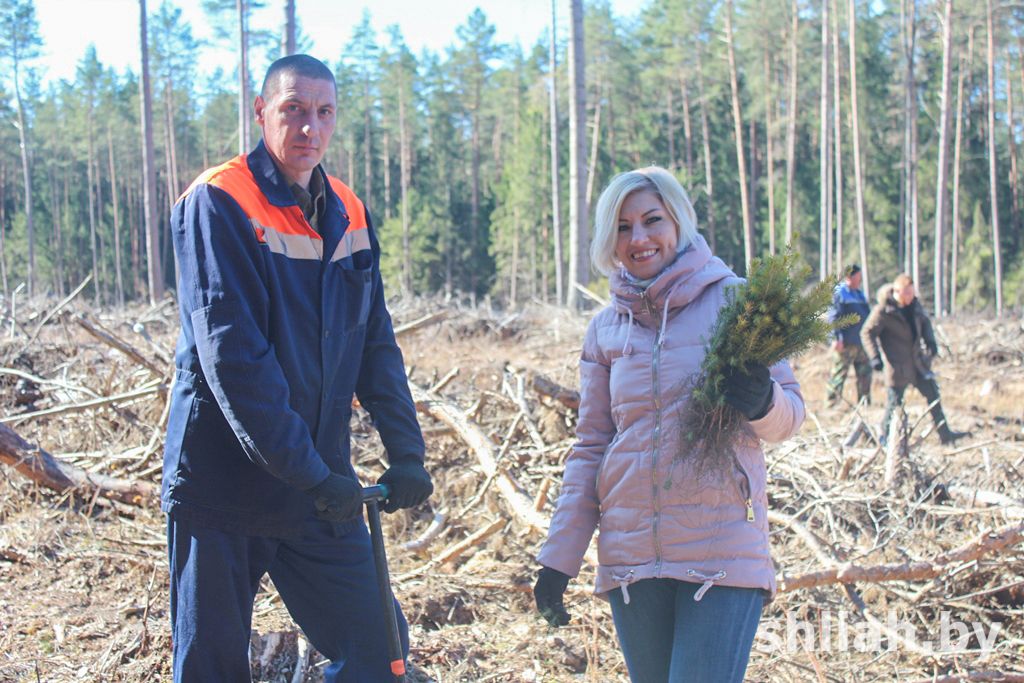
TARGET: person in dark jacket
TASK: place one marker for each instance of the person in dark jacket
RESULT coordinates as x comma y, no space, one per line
283,322
899,328
847,299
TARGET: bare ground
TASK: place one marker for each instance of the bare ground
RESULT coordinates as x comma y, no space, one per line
83,580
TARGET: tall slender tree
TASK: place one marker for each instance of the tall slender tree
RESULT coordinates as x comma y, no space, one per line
154,270
858,174
993,175
556,211
943,157
579,236
737,122
20,43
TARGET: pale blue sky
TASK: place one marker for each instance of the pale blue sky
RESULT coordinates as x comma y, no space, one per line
69,26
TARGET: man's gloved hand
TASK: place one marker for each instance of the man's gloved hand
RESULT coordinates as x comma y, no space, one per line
749,390
408,482
933,348
876,364
548,592
337,498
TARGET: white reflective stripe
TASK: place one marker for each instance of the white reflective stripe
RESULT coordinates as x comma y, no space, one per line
291,246
351,242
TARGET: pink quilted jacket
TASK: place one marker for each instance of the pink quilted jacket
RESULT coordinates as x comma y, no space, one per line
623,478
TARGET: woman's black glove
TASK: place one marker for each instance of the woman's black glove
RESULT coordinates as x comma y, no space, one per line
408,483
548,592
933,348
337,498
749,390
876,364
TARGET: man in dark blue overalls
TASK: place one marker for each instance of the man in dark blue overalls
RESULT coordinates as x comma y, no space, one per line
283,321
847,299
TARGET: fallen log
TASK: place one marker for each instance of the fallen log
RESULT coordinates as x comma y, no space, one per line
420,322
1001,676
569,398
521,503
112,340
42,468
991,542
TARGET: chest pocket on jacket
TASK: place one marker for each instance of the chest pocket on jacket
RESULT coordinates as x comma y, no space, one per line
356,290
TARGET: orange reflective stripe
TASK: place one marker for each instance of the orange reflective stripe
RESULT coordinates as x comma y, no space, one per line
235,178
356,237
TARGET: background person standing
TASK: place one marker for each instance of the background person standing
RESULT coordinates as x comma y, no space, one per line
848,298
899,328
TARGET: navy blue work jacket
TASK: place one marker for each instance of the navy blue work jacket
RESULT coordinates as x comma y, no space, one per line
280,327
844,302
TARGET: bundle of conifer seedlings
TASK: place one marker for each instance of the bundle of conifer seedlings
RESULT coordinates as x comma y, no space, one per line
767,319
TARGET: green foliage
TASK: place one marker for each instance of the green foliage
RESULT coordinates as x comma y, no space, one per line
767,319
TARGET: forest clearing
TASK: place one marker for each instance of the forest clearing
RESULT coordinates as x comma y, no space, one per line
928,539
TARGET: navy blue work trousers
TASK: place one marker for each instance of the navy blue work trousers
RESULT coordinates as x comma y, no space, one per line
326,579
668,637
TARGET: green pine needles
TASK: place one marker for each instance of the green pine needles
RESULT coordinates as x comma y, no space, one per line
765,321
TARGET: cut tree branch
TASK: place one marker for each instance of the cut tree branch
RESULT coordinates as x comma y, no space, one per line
44,469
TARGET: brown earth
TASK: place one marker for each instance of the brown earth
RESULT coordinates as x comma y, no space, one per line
83,581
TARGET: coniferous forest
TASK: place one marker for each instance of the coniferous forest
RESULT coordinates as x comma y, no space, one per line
883,133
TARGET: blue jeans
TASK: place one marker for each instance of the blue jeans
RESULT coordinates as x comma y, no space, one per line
326,579
667,637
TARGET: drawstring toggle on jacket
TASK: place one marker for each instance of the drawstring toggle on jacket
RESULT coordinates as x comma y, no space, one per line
709,581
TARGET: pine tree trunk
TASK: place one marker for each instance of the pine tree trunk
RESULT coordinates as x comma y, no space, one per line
911,250
386,148
824,156
770,150
858,174
90,193
794,63
838,176
748,226
118,278
30,232
3,231
955,239
154,265
687,129
709,178
670,132
594,138
556,213
942,174
1012,148
288,43
405,174
993,176
579,238
243,80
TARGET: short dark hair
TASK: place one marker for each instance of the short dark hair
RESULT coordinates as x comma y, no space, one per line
300,65
851,270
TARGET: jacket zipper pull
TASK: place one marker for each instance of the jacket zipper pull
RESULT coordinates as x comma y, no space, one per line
750,510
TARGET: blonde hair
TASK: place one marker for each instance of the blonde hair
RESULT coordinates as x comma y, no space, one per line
902,280
606,216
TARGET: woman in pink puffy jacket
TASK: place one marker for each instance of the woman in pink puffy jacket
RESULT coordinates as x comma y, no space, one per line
683,558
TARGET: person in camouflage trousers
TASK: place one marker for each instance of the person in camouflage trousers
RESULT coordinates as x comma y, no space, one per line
847,349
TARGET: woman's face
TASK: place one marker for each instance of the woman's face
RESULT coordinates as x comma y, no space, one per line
647,236
905,295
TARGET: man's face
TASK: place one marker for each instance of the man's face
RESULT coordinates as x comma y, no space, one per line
297,121
854,280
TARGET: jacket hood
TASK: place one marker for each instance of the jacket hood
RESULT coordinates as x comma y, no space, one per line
694,269
884,295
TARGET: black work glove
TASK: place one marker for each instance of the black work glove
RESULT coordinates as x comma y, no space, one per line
337,498
876,364
408,484
548,592
749,390
933,348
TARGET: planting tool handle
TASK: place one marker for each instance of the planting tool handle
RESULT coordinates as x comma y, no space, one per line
378,492
371,496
